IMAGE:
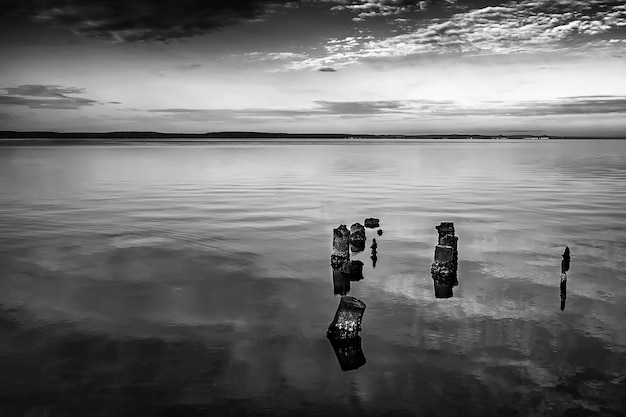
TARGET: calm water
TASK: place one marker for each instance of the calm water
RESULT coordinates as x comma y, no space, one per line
195,280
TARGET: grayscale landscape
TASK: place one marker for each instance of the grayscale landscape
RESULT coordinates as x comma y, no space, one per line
312,208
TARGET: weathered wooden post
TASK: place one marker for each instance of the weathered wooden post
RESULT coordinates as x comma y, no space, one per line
341,246
445,265
357,237
349,353
347,321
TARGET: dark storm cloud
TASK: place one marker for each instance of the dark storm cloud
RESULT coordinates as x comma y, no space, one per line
142,20
38,96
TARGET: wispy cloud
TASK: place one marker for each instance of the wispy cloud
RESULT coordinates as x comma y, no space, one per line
187,67
376,8
418,109
45,97
526,26
272,56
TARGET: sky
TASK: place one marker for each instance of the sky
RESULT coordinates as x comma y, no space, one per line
321,66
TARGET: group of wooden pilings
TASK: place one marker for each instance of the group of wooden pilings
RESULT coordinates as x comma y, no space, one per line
344,330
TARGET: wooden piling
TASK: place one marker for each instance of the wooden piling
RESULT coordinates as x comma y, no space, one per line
341,246
444,267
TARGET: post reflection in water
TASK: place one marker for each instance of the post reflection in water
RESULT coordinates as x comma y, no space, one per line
341,281
349,353
565,262
563,290
374,256
344,273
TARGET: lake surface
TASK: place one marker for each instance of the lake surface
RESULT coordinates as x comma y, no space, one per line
195,280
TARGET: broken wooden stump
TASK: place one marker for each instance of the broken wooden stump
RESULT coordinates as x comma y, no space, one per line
347,321
445,228
341,246
357,237
349,353
444,268
371,223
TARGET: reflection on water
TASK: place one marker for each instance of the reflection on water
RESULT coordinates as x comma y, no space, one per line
341,281
175,280
564,268
374,255
349,353
563,290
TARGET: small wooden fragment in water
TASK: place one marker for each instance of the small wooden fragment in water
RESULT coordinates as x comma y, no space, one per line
371,223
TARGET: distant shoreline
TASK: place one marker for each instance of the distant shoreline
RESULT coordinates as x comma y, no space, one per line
14,137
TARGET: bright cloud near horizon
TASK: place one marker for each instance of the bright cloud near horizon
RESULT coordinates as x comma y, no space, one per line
321,66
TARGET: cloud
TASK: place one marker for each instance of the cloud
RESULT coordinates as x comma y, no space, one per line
376,8
562,106
410,109
359,107
144,20
327,69
526,26
38,96
187,67
271,56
